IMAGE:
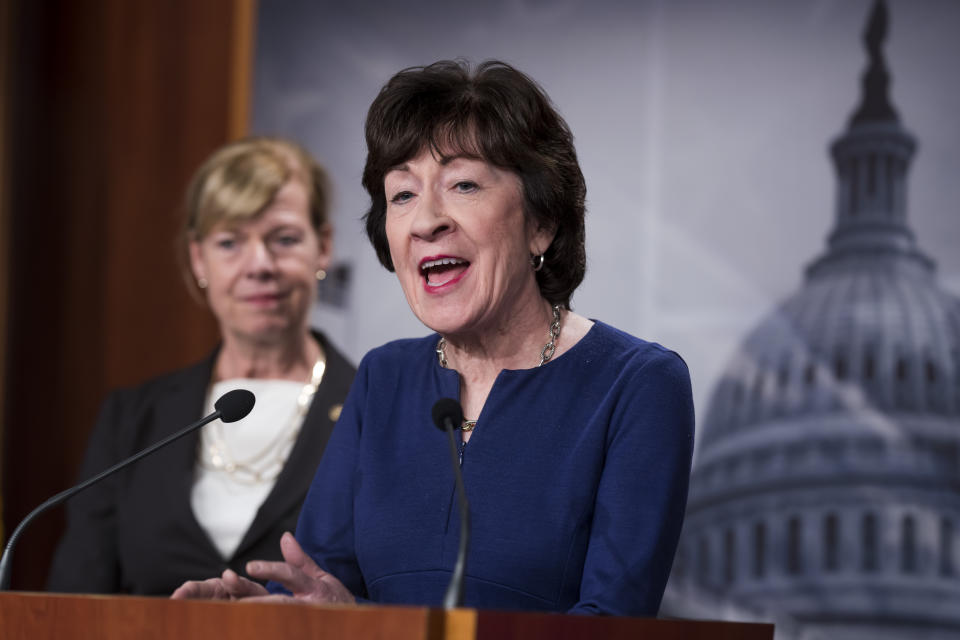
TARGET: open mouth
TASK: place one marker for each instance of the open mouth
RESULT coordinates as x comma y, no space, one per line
442,270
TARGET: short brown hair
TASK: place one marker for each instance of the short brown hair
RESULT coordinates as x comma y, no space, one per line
499,114
239,180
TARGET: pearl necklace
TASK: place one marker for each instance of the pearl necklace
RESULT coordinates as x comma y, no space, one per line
266,464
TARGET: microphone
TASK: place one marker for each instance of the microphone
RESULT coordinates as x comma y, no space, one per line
230,407
447,415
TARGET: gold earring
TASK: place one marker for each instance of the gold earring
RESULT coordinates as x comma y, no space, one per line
202,283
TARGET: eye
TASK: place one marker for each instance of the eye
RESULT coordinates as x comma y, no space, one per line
225,242
466,186
287,240
401,197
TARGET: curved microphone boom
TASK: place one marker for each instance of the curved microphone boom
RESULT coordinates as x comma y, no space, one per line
448,415
230,407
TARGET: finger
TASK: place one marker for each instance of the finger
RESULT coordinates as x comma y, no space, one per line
239,587
320,585
210,589
295,556
292,578
273,597
185,591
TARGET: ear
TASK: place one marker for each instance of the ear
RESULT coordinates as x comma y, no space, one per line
324,246
196,261
540,239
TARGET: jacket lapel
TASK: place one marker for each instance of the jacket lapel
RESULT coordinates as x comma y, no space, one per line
183,405
291,487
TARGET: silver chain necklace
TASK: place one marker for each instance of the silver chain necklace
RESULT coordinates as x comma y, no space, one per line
545,354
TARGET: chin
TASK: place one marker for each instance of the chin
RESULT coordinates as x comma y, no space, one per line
444,321
268,332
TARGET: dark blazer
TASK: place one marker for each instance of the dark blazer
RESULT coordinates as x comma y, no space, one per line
135,532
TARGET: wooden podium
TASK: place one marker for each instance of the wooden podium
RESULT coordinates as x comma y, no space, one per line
38,616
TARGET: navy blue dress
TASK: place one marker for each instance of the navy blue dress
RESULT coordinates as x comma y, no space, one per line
576,474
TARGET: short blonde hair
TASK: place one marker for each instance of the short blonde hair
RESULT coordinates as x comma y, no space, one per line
239,180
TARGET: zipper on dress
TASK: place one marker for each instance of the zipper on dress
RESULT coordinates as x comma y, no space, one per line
463,445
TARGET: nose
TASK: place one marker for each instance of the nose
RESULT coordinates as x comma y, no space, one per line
260,262
430,220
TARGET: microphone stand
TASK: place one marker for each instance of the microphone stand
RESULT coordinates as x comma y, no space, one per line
454,595
5,561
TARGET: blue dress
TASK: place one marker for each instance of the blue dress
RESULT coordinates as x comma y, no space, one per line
576,474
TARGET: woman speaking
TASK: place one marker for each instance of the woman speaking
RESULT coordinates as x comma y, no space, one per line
576,448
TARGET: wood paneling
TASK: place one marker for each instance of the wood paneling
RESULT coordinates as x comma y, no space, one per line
39,616
6,46
113,105
52,617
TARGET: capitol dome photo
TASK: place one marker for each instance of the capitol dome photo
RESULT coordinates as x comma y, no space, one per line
825,494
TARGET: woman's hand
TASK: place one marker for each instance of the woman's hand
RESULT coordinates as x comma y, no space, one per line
229,586
300,575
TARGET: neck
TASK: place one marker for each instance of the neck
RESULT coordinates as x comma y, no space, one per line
514,343
289,359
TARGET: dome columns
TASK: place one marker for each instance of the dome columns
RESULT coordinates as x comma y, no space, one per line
872,161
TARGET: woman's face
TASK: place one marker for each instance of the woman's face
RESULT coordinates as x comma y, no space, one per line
261,273
460,242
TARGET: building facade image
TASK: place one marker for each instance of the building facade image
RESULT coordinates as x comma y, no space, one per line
826,487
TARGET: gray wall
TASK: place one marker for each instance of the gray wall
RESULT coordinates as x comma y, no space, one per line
701,126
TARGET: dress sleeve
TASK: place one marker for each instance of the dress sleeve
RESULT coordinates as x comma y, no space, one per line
642,492
325,529
86,558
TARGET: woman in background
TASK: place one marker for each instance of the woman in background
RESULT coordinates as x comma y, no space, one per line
255,241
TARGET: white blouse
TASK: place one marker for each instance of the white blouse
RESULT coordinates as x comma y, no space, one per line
238,463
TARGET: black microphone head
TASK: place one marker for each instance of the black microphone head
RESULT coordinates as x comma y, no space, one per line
235,405
447,409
